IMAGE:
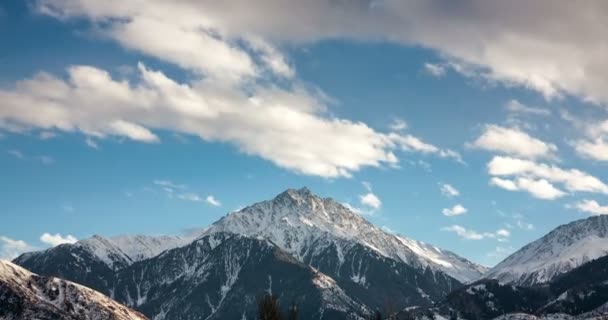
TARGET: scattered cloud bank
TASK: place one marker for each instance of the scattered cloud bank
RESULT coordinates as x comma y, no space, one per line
539,178
510,44
468,234
231,99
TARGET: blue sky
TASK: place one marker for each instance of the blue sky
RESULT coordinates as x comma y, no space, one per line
122,118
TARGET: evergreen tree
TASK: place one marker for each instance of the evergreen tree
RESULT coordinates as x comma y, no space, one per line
269,308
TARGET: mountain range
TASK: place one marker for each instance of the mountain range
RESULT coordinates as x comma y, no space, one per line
329,261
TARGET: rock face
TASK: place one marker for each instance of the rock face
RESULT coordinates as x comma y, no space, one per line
560,251
305,249
24,295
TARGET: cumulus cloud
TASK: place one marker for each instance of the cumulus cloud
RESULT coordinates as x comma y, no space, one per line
260,122
448,190
11,248
370,200
538,188
454,211
596,149
512,141
498,41
468,234
57,239
589,206
534,173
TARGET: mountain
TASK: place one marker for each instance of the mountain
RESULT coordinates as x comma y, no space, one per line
581,293
305,249
221,276
563,249
94,261
24,295
306,225
114,253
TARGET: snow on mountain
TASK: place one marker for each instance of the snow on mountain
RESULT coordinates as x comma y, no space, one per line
125,250
24,295
563,249
300,222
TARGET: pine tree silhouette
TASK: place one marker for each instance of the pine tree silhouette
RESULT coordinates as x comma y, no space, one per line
269,308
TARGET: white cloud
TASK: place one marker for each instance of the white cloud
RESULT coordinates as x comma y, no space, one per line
517,107
436,70
590,206
595,149
370,200
57,239
512,141
91,143
212,201
540,188
448,190
398,124
411,143
468,234
454,211
504,183
533,173
259,122
11,248
499,41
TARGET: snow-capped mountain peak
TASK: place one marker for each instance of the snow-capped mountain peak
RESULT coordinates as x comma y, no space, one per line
563,249
301,222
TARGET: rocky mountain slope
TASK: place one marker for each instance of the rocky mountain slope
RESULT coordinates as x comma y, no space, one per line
305,225
24,295
563,249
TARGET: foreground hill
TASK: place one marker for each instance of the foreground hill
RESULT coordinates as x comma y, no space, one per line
24,295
